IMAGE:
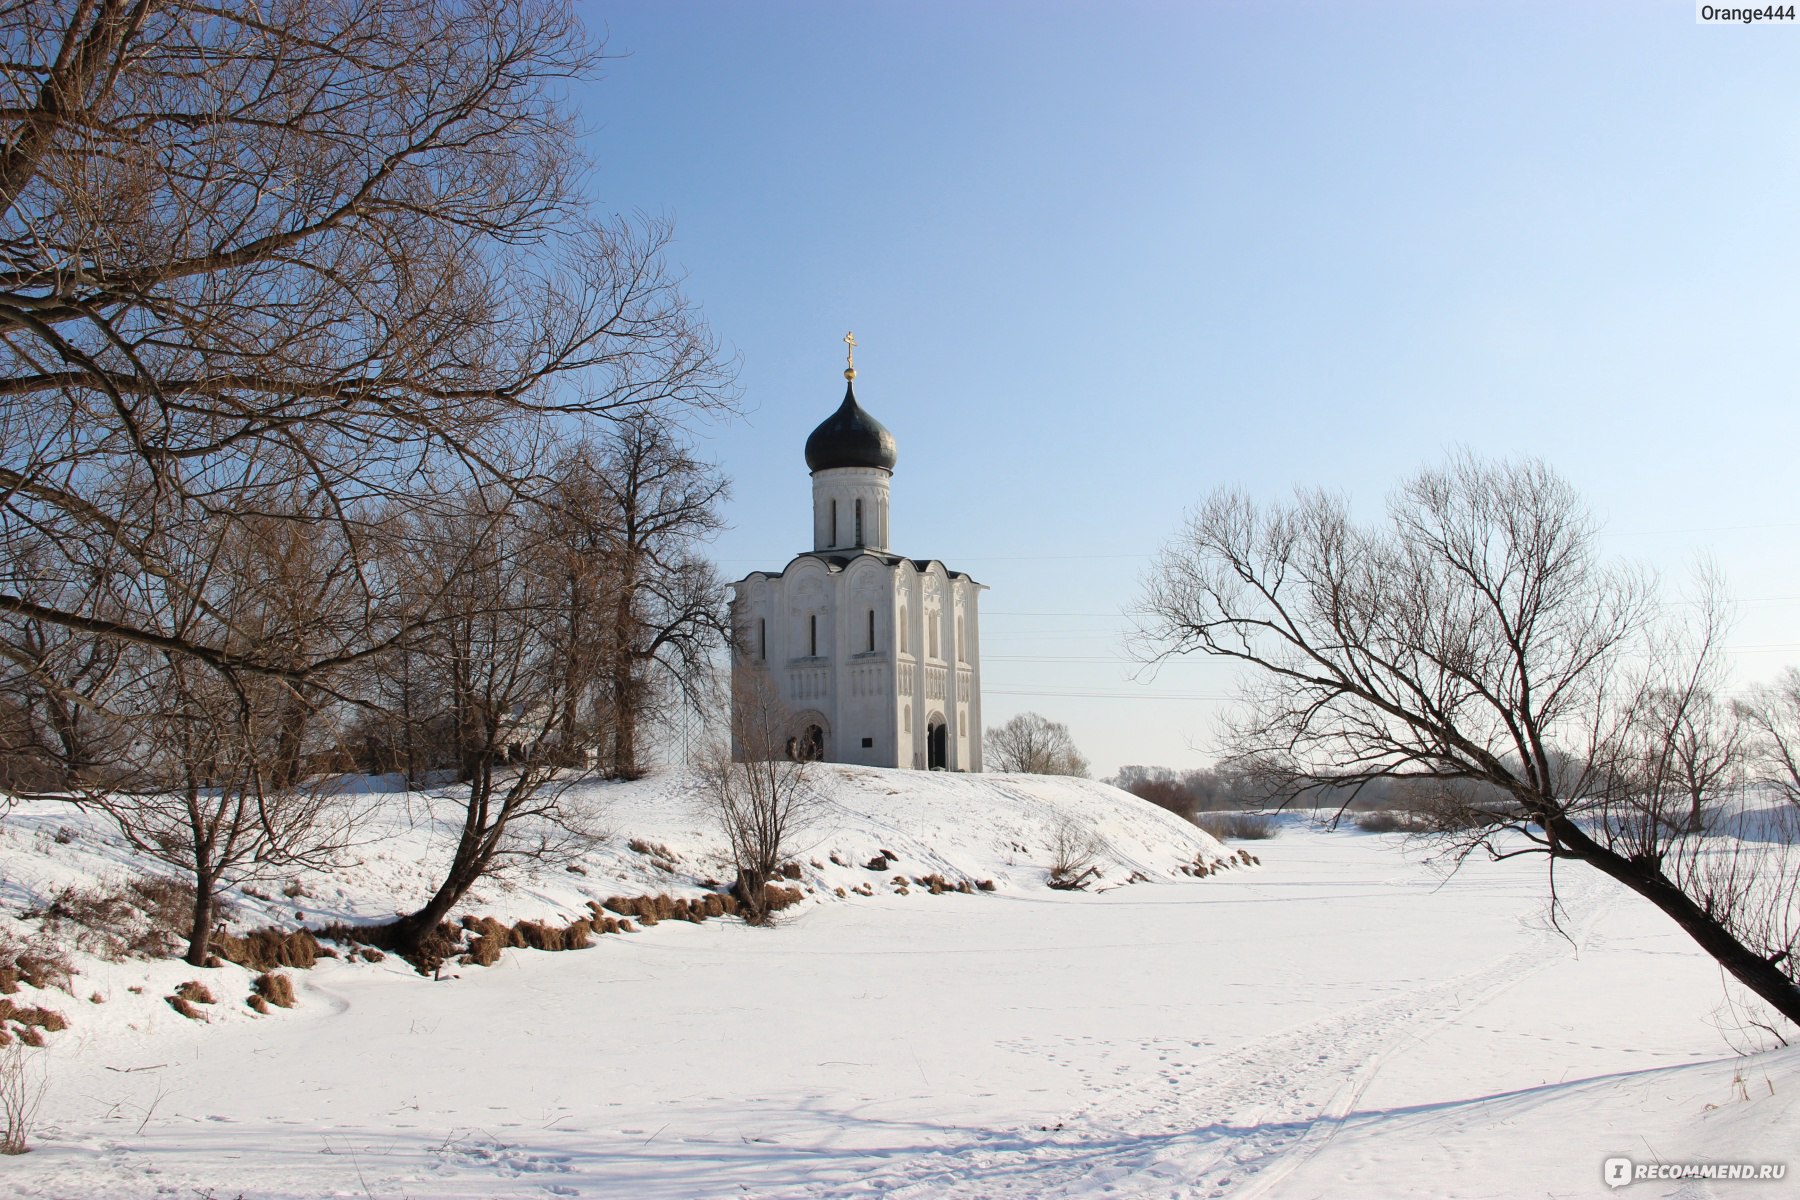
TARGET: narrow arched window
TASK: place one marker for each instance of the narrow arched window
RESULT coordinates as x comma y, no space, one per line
961,654
932,640
905,646
859,535
762,638
812,631
871,629
834,524
907,717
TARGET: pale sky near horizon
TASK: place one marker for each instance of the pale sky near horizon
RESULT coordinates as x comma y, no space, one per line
1100,258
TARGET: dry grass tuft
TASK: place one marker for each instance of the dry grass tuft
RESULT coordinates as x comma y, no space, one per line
651,909
39,963
275,988
266,949
258,1003
32,1017
488,938
195,992
776,897
186,1009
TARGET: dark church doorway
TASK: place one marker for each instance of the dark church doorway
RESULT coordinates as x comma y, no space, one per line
812,746
937,745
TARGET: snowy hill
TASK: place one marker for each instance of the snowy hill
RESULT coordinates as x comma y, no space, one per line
1343,1020
998,828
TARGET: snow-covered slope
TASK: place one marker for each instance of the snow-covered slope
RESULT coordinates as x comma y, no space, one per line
1342,1021
966,828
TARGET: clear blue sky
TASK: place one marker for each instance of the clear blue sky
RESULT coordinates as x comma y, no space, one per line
1102,257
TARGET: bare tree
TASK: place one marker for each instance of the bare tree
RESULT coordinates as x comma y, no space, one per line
491,634
345,238
761,795
1772,713
1477,638
59,683
1690,746
206,805
1035,745
217,786
661,607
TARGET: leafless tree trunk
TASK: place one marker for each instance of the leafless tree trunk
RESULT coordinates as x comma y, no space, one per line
1476,637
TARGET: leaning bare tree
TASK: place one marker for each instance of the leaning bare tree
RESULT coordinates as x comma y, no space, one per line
491,632
1475,637
761,794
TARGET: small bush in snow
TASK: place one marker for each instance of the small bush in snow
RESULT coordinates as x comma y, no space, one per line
1236,827
1073,849
22,1078
1387,821
142,916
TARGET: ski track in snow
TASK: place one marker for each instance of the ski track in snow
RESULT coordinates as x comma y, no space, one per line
1210,1124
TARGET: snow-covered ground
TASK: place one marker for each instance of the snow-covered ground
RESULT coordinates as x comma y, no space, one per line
1342,1020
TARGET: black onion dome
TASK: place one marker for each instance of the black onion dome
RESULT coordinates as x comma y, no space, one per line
850,437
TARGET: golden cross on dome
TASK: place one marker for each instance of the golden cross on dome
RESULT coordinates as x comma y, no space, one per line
849,356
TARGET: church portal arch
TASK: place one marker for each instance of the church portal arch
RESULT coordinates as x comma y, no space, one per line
937,743
812,737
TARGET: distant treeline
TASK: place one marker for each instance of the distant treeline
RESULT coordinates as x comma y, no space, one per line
1212,789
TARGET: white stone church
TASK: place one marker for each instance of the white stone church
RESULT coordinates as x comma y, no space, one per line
877,656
